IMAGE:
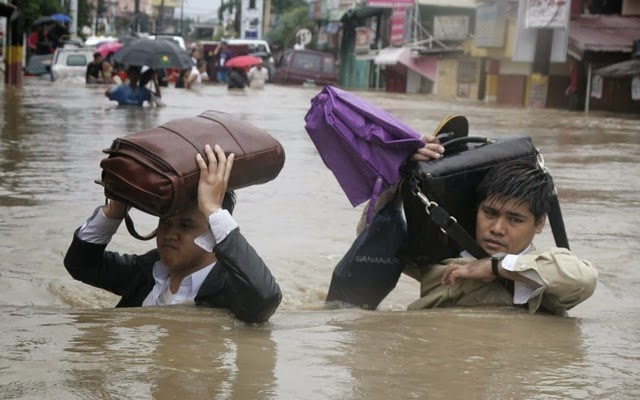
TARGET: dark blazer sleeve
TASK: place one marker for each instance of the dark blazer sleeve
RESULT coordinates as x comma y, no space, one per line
249,288
92,264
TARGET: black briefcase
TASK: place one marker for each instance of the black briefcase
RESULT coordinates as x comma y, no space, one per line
451,182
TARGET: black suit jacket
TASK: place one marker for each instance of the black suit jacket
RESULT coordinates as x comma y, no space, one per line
240,280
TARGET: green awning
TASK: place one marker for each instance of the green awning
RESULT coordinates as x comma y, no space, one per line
362,13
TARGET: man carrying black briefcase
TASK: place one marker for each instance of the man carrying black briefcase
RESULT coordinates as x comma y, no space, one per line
473,207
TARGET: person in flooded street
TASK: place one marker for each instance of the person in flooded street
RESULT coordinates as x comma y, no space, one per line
514,199
135,92
237,78
95,73
257,76
201,256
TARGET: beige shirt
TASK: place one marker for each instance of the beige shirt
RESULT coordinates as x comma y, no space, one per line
567,282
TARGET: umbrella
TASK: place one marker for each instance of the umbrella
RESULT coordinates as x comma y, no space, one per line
243,61
43,20
61,18
109,47
154,54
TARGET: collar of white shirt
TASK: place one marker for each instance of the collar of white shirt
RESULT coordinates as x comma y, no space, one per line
186,293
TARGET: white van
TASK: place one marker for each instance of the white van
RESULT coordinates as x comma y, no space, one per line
71,62
255,45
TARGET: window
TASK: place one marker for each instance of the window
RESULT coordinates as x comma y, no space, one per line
329,65
467,71
307,62
76,60
252,4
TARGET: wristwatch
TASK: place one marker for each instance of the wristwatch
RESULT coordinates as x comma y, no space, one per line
496,259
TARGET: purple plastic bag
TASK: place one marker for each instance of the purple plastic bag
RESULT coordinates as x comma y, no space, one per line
363,145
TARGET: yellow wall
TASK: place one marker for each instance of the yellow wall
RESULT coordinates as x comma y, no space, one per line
448,80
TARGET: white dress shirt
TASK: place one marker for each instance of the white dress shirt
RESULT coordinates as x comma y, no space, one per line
522,292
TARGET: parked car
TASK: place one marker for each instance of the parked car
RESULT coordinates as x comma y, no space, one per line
306,66
71,62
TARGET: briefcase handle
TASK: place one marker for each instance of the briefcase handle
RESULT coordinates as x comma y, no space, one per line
453,144
132,229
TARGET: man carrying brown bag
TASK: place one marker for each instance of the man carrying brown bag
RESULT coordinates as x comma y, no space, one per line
201,255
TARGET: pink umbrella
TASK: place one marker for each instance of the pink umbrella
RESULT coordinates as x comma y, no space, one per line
243,62
109,47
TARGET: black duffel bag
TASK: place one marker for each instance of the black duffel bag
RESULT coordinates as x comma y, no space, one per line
440,200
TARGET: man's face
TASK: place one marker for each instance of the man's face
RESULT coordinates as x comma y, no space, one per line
506,226
134,76
175,241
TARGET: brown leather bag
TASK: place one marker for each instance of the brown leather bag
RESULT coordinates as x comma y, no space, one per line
155,170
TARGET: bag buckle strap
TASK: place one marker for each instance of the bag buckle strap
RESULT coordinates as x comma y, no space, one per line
429,205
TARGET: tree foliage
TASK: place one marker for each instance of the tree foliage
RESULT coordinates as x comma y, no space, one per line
230,6
35,9
284,34
281,6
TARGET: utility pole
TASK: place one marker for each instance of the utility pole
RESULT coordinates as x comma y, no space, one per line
15,45
136,16
99,11
182,17
160,25
267,17
73,11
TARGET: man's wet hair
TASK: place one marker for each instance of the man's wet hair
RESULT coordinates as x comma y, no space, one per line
521,181
229,201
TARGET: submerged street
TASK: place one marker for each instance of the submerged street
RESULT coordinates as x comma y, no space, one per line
62,338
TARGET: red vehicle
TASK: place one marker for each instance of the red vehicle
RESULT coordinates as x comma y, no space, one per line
306,66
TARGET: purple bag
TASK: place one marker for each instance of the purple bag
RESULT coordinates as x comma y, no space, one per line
361,144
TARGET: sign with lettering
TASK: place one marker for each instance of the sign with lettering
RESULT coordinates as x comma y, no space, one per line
450,27
547,13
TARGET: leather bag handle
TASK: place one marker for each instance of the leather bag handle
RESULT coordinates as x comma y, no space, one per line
132,229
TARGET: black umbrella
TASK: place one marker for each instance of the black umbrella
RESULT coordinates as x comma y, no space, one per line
154,54
43,20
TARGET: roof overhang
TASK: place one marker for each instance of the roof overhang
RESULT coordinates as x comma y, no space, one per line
620,70
426,66
602,34
449,3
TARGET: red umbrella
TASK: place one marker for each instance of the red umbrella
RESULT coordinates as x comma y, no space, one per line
109,47
243,62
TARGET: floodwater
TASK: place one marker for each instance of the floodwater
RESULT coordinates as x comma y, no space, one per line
61,339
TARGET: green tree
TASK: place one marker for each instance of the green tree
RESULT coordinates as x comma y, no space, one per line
281,6
84,14
284,34
34,9
231,5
